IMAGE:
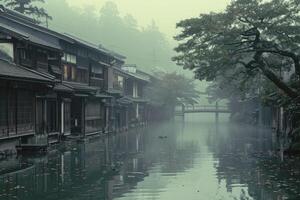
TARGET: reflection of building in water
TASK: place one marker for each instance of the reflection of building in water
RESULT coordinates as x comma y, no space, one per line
107,168
80,170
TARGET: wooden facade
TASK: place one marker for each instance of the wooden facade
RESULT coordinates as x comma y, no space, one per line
56,85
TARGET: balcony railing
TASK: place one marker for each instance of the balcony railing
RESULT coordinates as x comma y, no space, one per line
97,82
41,65
26,63
118,86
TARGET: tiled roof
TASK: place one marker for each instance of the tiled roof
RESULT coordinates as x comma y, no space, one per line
137,100
80,87
11,71
103,96
27,33
95,47
124,100
26,28
137,75
114,91
62,88
140,76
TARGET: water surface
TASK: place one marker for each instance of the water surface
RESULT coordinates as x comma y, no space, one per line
198,158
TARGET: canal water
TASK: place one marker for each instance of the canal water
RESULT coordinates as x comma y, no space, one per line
198,158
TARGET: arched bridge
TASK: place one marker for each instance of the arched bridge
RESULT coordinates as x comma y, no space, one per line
184,109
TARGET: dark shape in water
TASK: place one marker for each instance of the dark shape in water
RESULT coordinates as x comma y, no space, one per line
162,137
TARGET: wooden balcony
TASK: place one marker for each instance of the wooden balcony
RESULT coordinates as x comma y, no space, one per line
97,82
26,63
117,86
42,66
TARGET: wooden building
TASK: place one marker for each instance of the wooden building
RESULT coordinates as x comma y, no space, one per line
135,92
28,103
55,85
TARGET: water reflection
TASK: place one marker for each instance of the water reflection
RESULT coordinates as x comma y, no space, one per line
195,159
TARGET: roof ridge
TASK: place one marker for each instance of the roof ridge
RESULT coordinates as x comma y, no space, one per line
30,24
16,14
37,72
6,13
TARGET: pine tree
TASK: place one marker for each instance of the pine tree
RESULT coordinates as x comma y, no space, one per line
28,7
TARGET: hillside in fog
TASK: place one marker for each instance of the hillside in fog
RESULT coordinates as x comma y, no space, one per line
145,46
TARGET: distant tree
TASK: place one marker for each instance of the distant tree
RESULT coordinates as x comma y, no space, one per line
28,7
116,32
170,89
146,47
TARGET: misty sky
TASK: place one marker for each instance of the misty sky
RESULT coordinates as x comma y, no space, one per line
166,13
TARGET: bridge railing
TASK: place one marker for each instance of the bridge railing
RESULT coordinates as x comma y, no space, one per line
205,107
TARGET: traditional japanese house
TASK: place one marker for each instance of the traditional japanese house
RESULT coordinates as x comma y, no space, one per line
27,102
54,85
116,88
85,70
135,86
76,101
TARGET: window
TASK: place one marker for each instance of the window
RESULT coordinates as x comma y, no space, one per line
82,75
118,82
16,116
93,117
135,90
97,72
69,73
25,111
93,109
65,72
52,125
70,58
23,54
140,91
42,56
73,78
7,51
42,60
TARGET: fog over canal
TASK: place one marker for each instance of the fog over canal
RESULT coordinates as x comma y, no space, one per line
194,159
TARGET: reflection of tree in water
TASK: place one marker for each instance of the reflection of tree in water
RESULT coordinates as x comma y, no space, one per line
246,158
154,153
174,157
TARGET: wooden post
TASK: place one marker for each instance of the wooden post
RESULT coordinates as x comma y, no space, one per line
183,112
217,111
183,109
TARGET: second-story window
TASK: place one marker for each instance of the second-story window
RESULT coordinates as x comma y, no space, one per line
70,58
140,91
118,82
135,90
25,57
42,60
97,72
42,56
66,72
70,73
7,51
82,75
